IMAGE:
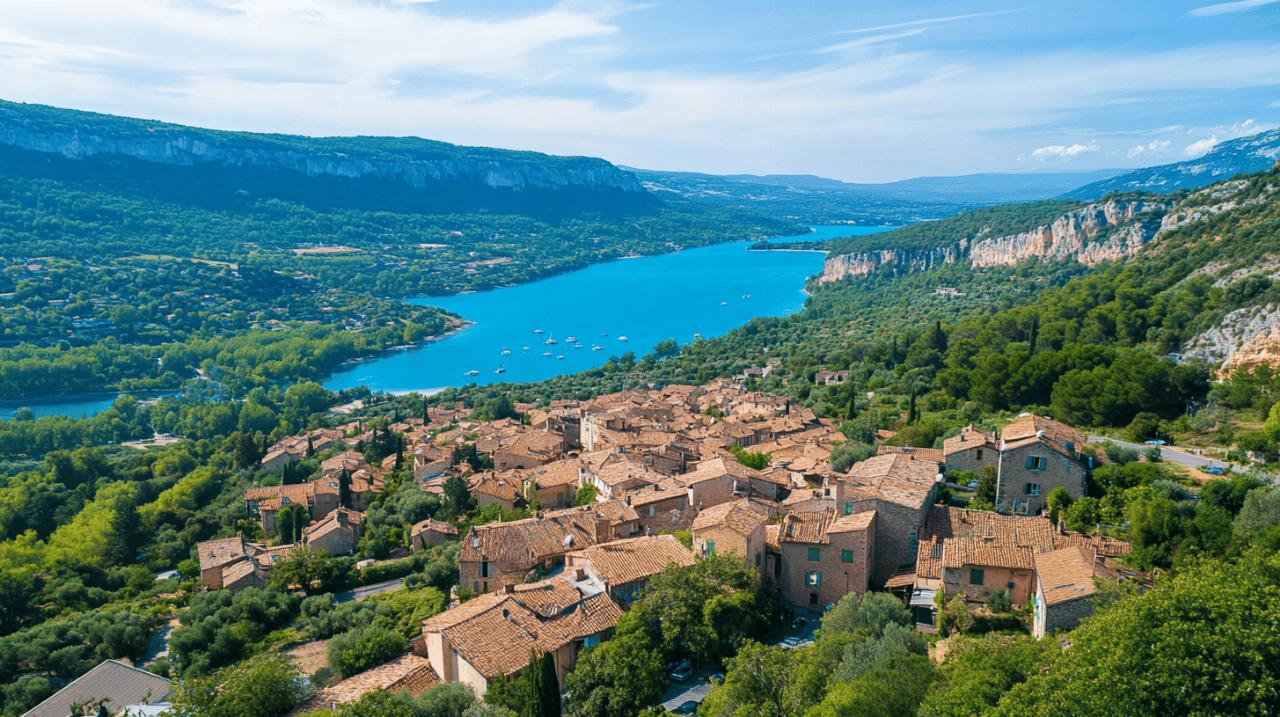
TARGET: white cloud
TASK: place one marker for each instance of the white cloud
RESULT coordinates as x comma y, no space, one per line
1155,145
1223,8
535,80
927,21
1064,151
1200,146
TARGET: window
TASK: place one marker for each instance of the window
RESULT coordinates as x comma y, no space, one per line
937,550
813,598
653,510
976,576
1031,489
913,542
711,547
846,556
813,579
978,454
848,508
815,554
1037,463
484,569
951,575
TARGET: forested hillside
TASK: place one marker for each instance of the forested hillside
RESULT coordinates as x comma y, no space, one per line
127,244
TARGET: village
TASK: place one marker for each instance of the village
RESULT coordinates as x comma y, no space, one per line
625,485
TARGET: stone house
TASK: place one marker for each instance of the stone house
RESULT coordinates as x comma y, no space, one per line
336,534
1064,589
625,566
1037,455
431,532
555,485
493,635
661,510
734,528
819,557
900,489
971,449
319,496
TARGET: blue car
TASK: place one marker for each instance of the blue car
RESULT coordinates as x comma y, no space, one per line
1216,470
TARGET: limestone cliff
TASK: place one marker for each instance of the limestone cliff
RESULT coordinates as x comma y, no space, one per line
417,162
1102,231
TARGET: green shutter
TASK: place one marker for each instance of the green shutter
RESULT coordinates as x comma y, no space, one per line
846,556
815,553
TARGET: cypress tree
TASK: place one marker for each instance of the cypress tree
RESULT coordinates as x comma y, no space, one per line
548,687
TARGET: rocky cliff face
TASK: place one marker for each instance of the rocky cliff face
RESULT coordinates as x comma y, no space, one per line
1072,236
1103,231
415,162
897,260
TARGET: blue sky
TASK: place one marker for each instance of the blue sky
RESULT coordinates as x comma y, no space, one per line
858,90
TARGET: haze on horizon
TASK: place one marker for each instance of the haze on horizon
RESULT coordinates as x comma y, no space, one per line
860,91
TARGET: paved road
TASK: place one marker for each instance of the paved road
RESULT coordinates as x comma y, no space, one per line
365,591
1171,454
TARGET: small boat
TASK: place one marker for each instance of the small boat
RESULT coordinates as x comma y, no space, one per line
499,370
604,333
595,347
550,342
546,353
473,372
724,303
537,331
571,340
506,352
524,348
577,346
746,296
560,357
623,339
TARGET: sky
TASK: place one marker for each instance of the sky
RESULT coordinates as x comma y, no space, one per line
859,90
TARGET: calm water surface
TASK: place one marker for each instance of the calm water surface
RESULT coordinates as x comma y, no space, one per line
706,291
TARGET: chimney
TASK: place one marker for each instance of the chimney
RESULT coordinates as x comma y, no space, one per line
509,589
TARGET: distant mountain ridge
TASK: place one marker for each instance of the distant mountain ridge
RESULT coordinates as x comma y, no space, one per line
418,163
981,188
1243,155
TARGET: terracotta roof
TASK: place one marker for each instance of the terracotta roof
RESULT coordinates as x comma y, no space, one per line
987,551
1065,574
556,473
1028,428
894,478
340,519
505,486
852,523
925,454
407,673
122,684
740,516
496,632
1034,533
214,553
621,562
435,526
806,526
968,437
653,494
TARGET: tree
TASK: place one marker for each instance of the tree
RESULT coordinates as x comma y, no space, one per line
892,689
358,650
616,679
1083,515
755,683
264,686
1058,501
756,461
1209,628
290,521
1259,513
457,499
548,687
449,699
986,491
979,671
955,618
310,570
585,495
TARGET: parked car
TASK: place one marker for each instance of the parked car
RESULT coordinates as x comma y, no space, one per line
1156,442
681,672
1215,470
688,707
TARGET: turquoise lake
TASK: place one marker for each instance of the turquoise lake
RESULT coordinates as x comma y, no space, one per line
706,291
